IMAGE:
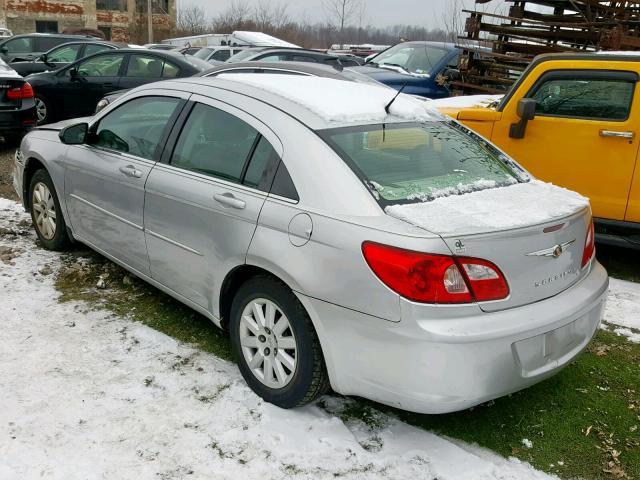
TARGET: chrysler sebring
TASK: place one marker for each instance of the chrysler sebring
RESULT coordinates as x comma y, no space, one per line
343,234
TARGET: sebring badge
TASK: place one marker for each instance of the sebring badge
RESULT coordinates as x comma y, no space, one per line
553,252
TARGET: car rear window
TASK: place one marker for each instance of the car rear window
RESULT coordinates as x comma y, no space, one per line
418,162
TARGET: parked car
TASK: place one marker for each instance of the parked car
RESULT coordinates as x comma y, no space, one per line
289,68
74,91
572,119
282,54
62,55
32,45
219,54
415,67
17,106
342,238
5,33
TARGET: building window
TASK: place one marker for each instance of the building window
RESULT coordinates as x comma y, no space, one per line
45,26
119,5
106,31
158,6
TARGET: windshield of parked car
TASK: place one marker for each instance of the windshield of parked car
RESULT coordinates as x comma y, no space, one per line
203,53
418,162
414,59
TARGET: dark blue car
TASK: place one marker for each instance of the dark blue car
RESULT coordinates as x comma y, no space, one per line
414,64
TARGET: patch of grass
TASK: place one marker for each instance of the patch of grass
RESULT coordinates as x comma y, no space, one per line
126,295
584,422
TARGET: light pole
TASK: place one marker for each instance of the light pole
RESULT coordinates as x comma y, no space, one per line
150,20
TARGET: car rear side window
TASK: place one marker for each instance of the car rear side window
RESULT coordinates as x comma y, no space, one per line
150,67
584,95
259,174
19,45
136,127
418,162
101,66
44,44
221,55
215,143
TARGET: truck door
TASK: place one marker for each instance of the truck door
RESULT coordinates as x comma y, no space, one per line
585,132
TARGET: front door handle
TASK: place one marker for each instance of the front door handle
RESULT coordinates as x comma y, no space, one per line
617,134
131,171
229,200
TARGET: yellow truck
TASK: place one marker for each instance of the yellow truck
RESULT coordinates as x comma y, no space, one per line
572,120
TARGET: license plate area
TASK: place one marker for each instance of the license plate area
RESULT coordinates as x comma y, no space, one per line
550,350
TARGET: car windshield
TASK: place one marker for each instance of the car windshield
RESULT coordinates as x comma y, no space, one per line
203,53
413,59
418,162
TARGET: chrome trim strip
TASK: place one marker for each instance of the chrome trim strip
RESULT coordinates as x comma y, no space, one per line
554,251
173,242
106,212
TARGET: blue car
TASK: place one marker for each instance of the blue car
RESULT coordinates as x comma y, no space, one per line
415,65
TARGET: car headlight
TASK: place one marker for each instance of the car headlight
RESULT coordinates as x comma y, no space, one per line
102,104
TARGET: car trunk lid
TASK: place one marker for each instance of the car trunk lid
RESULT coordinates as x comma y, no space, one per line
534,233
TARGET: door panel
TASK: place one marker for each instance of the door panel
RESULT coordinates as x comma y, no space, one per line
104,182
566,144
199,217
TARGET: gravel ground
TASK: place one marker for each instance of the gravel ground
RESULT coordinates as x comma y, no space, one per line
6,165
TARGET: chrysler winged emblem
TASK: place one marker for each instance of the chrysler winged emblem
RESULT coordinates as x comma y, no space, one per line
553,252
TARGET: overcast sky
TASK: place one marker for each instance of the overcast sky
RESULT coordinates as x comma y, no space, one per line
427,13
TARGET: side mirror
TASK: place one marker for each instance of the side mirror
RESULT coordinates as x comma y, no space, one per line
4,50
526,111
74,134
73,73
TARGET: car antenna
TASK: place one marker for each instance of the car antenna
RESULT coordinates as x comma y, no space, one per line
386,109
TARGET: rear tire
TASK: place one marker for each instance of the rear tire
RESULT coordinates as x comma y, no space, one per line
46,213
279,339
44,111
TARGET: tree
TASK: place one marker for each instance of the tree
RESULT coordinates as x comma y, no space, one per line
340,13
191,20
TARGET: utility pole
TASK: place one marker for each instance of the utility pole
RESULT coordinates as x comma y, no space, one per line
150,20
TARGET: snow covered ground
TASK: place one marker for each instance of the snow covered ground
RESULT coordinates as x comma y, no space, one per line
88,395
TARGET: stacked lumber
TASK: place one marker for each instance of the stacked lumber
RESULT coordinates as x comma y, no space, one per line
498,46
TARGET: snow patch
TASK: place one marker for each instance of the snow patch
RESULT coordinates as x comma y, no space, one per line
339,100
88,394
623,308
527,443
502,208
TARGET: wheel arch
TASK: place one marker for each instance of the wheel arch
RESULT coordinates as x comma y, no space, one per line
32,165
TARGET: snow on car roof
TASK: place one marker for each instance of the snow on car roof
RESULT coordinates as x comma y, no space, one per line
466,101
260,39
503,208
339,101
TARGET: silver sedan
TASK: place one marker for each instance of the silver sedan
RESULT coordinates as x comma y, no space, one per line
344,237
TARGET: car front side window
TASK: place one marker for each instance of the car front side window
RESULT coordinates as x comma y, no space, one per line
585,96
136,127
215,143
66,54
101,66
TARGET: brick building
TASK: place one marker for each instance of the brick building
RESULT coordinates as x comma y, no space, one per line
119,20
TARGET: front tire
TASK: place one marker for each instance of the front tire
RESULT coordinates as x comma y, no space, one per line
276,345
46,212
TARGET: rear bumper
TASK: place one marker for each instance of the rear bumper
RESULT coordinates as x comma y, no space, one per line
440,365
18,121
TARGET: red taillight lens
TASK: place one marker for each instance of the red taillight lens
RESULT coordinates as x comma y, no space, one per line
428,278
589,245
20,93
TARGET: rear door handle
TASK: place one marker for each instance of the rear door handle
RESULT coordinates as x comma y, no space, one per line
131,171
229,200
617,134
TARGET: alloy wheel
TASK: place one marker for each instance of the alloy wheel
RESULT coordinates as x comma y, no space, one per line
268,343
41,109
44,210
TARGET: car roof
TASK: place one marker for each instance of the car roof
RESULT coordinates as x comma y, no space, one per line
303,106
59,35
89,42
319,69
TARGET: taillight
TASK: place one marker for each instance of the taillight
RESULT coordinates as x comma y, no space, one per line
589,245
429,278
20,93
